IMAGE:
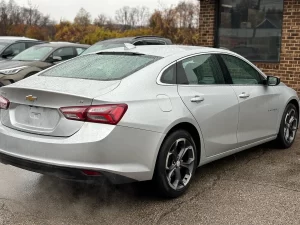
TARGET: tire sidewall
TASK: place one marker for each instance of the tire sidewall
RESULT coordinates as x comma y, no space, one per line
160,177
281,138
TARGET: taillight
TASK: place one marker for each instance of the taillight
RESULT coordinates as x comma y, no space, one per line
108,114
4,103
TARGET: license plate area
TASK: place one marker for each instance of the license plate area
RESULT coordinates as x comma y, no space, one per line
36,117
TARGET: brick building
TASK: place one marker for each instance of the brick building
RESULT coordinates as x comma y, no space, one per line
267,32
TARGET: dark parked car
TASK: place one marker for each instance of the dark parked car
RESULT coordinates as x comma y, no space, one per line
36,59
12,46
119,42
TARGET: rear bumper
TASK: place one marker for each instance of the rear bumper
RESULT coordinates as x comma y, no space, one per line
114,151
62,172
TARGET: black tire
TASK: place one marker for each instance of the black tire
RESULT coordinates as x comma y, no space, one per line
281,139
160,179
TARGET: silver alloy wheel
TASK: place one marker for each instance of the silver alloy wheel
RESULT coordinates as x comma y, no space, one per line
180,163
290,126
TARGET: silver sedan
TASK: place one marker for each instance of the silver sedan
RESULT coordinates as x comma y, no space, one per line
143,113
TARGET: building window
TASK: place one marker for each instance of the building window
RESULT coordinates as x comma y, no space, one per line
251,28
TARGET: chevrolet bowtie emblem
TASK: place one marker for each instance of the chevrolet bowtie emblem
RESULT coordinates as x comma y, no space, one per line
31,98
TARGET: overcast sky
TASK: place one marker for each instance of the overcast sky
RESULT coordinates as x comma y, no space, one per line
67,9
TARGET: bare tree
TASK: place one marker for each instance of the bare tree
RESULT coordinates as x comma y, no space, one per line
143,15
133,16
83,18
122,15
186,14
101,20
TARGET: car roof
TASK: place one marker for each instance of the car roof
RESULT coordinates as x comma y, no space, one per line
167,50
15,39
133,39
63,44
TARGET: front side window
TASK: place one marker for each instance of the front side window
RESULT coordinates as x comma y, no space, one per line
80,50
35,53
251,28
106,66
65,53
241,72
16,48
202,69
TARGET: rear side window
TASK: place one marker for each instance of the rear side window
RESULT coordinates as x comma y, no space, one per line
201,69
169,75
105,66
154,42
30,44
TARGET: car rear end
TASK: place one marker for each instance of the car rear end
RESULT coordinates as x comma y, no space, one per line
51,123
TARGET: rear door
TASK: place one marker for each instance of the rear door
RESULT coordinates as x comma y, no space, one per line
202,87
258,103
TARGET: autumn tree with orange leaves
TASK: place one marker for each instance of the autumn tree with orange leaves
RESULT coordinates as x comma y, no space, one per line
179,23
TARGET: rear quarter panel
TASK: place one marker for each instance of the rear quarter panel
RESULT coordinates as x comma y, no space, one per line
146,109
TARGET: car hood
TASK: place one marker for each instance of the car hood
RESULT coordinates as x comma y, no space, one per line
7,64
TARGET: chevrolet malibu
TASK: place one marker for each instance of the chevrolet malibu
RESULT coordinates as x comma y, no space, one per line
143,113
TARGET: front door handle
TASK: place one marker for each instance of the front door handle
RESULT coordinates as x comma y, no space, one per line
244,95
197,99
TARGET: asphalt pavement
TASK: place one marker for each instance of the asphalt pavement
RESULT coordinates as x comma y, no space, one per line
257,186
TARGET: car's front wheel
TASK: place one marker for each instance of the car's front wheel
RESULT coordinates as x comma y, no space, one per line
176,164
288,127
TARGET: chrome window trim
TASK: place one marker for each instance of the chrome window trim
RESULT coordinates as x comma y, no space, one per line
158,81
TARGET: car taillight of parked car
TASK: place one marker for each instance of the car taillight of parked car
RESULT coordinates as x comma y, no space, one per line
4,103
107,114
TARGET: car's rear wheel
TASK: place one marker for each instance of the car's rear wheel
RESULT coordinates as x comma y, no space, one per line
176,164
288,127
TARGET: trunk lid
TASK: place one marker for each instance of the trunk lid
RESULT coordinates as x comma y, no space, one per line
35,102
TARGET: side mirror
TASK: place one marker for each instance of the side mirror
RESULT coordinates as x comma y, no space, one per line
273,81
7,53
56,58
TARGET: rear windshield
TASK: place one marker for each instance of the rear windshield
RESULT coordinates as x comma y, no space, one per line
104,66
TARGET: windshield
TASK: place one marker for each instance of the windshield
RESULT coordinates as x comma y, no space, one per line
100,47
35,53
2,45
108,66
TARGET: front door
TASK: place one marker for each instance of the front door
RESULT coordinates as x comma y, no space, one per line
213,103
258,103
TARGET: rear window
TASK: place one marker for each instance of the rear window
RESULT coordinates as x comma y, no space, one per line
104,66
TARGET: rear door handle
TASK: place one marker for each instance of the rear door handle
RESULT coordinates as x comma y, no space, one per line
197,99
244,95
